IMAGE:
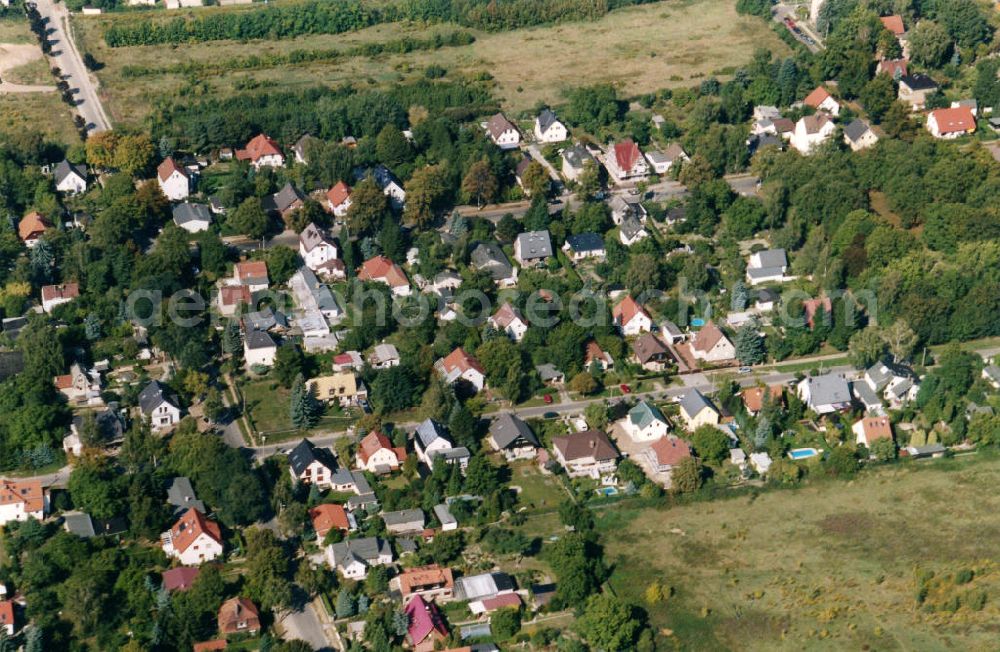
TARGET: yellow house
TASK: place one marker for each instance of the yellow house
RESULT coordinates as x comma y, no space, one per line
342,387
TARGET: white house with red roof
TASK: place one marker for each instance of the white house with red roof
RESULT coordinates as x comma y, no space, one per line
870,429
711,344
31,228
315,248
821,100
508,320
262,151
193,539
54,295
502,132
631,318
231,297
338,198
7,621
175,183
252,274
21,499
594,354
376,454
382,270
625,161
948,124
459,365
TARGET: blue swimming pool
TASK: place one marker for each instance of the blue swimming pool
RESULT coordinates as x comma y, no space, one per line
607,491
802,453
698,322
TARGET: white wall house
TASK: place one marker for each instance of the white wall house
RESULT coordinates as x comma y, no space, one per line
502,132
21,499
811,132
175,183
159,406
645,422
508,320
548,128
315,248
259,349
193,539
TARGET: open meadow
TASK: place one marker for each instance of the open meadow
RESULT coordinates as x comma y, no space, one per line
901,558
641,49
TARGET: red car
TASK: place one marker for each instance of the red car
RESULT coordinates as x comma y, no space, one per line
625,389
547,398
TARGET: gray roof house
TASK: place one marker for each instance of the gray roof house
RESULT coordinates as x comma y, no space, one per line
825,394
549,374
192,217
305,454
353,557
489,257
404,521
631,230
284,200
431,431
991,373
583,245
153,395
447,519
181,495
532,247
259,340
767,265
574,160
693,402
70,178
510,434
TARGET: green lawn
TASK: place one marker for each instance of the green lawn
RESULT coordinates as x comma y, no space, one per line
538,491
267,404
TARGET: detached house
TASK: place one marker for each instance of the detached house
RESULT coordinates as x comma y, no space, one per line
384,356
376,454
56,295
696,410
825,394
645,422
328,517
262,151
489,257
574,161
238,615
811,132
22,499
70,179
510,435
548,128
431,440
991,374
630,318
588,454
311,464
915,89
343,387
338,198
426,630
388,183
870,429
174,180
949,124
532,247
594,354
284,202
858,135
767,266
31,228
354,557
252,274
431,582
821,100
631,231
650,352
711,345
663,161
667,452
315,249
259,349
584,245
382,270
459,365
502,132
159,405
193,539
625,161
508,320
193,218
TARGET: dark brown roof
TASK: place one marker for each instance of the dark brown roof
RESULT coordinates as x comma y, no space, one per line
590,443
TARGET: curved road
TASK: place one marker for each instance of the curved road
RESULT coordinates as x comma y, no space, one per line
66,56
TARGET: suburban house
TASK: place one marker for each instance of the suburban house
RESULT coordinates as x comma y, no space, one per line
180,578
630,318
645,422
914,90
663,161
382,270
445,517
79,386
238,615
895,68
22,499
625,161
158,404
991,374
313,296
480,589
342,387
812,131
404,521
285,201
338,198
70,179
384,356
697,410
755,397
193,539
181,496
584,245
548,129
429,582
651,353
193,218
825,394
252,274
502,132
858,135
431,440
311,464
426,630
232,297
510,435
174,180
549,375
767,266
508,320
7,618
262,151
631,231
767,299
459,365
821,100
594,354
315,248
667,452
574,161
377,455
388,183
532,247
353,557
867,430
711,344
259,349
55,295
489,257
951,123
328,516
587,454
31,227
894,24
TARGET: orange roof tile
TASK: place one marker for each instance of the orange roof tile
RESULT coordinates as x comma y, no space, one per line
326,517
459,359
32,225
168,167
817,97
382,269
190,526
339,193
627,310
29,492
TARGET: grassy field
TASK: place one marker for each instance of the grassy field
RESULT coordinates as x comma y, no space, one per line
44,112
833,565
640,48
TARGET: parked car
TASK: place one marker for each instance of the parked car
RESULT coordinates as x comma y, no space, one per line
547,398
550,415
625,389
745,370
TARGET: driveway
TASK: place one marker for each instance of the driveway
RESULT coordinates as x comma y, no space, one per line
66,56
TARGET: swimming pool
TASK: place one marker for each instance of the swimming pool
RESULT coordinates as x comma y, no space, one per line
607,491
698,322
802,453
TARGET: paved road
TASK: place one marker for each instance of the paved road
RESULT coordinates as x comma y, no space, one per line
781,11
67,57
305,626
58,479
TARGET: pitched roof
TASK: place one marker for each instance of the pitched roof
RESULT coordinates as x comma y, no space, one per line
180,578
365,549
153,394
508,428
311,237
328,516
31,224
339,193
430,430
251,272
958,119
814,123
236,610
894,24
65,168
462,361
670,450
856,129
286,197
589,443
694,402
753,397
190,526
371,444
631,227
415,579
424,620
232,295
489,256
817,97
259,340
584,242
577,155
7,612
875,428
593,351
627,154
534,244
918,82
707,337
305,453
645,413
181,495
403,517
498,124
891,66
259,147
648,347
627,310
210,646
188,212
546,119
828,389
167,167
65,291
506,315
29,492
382,269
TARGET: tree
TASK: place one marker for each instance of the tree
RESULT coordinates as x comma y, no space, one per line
249,218
608,623
596,415
535,180
900,339
391,146
884,449
368,207
289,364
841,461
345,604
583,383
395,389
424,192
480,182
711,444
94,489
589,181
505,623
749,344
267,565
930,44
866,347
304,408
686,476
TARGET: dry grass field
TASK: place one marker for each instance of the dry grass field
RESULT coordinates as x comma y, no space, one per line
642,48
833,566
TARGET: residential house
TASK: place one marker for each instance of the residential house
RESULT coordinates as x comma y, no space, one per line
251,273
7,617
31,228
343,387
584,245
663,161
631,231
262,151
314,297
671,333
238,616
574,161
625,161
353,557
55,295
445,517
259,349
426,630
158,404
895,68
548,128
284,202
868,430
404,521
315,248
231,298
510,435
549,375
193,218
624,208
430,582
651,353
338,198
489,257
180,578
896,383
209,646
697,410
108,427
508,320
991,374
858,135
949,124
174,180
667,452
475,589
22,499
825,394
327,517
388,183
311,464
645,422
376,454
348,361
811,131
766,301
914,89
502,132
181,496
79,385
532,247
193,539
761,462
894,24
70,179
630,318
821,100
767,266
459,365
431,440
382,270
301,148
594,354
711,344
755,397
384,356
587,454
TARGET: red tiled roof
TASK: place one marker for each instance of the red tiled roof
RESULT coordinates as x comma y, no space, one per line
65,291
505,315
415,579
371,444
382,269
627,310
670,450
237,610
210,646
894,24
459,359
29,492
326,517
32,224
950,121
753,397
891,66
180,578
232,295
876,428
251,270
259,147
168,167
594,352
7,612
425,620
339,193
817,97
64,382
627,154
190,526
501,601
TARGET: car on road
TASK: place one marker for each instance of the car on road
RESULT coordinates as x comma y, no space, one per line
365,407
625,389
548,399
550,415
745,370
